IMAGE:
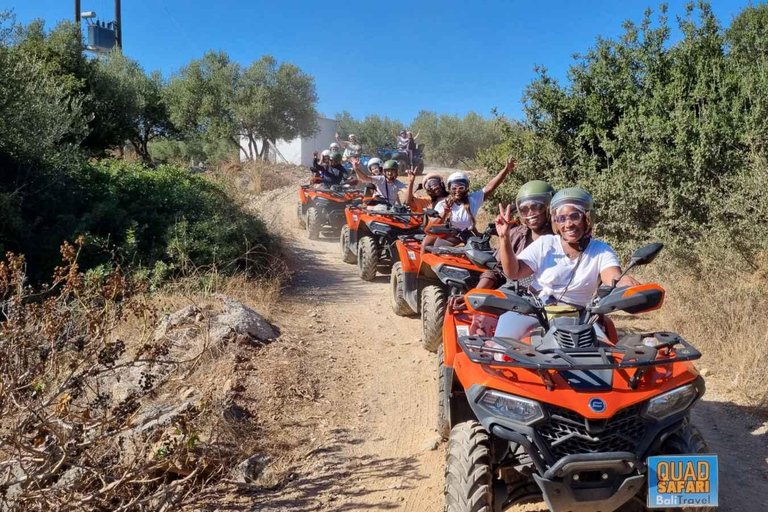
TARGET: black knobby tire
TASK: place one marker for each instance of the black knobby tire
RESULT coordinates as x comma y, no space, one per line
313,223
433,299
402,166
347,256
397,292
468,475
686,441
443,396
420,168
300,216
367,258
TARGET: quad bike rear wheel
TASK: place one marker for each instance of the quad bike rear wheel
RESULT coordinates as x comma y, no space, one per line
468,472
433,301
313,223
347,256
420,168
367,258
300,216
443,396
686,441
397,296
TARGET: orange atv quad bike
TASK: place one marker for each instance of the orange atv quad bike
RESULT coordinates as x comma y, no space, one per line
370,234
569,412
428,281
321,207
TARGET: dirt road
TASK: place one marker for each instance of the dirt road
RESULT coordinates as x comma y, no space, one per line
368,442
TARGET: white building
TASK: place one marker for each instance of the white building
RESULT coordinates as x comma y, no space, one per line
299,151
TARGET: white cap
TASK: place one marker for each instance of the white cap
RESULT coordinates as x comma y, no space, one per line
351,135
326,152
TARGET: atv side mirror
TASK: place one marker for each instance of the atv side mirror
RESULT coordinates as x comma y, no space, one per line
420,187
370,186
647,254
429,212
491,230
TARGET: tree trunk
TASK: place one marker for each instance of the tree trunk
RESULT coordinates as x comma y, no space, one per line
252,147
264,149
237,144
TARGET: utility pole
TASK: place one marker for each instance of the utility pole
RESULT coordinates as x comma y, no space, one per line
118,24
77,12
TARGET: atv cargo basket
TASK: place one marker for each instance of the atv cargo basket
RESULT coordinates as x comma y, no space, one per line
630,352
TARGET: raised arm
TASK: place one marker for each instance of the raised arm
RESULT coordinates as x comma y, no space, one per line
417,135
360,174
342,143
513,268
409,190
496,181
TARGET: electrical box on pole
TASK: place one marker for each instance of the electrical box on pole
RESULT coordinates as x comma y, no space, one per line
102,37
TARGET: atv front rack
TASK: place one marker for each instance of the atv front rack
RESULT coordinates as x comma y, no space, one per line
629,353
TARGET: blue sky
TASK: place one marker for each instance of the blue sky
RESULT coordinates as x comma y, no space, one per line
447,56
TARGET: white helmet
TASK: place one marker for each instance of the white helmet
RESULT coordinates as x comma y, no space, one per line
457,177
374,161
352,136
334,146
327,153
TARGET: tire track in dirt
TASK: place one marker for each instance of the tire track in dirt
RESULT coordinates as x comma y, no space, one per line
381,395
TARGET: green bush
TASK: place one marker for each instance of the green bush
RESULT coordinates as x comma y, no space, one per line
146,216
668,138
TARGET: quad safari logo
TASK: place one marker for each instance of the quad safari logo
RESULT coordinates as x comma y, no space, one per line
682,481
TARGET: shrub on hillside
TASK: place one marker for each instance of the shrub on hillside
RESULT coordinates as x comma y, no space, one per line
167,215
668,138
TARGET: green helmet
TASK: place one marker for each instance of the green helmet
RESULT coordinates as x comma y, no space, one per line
336,158
390,164
575,196
536,190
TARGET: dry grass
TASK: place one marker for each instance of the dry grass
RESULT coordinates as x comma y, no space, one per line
722,314
242,180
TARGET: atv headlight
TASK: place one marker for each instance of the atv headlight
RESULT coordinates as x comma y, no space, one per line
515,408
671,402
457,273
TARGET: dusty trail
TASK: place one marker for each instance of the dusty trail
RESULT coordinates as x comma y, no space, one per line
373,444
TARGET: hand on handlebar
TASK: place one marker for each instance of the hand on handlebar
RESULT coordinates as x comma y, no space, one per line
504,220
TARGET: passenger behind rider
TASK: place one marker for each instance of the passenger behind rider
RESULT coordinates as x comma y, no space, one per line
335,173
532,202
318,167
432,184
406,142
352,149
460,208
387,186
567,266
374,167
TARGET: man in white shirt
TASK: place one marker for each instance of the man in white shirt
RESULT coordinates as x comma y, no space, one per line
387,186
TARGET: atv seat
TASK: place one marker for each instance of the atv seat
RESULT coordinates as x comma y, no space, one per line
453,251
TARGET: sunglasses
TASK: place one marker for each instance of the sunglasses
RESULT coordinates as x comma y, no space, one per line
529,208
573,217
458,186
